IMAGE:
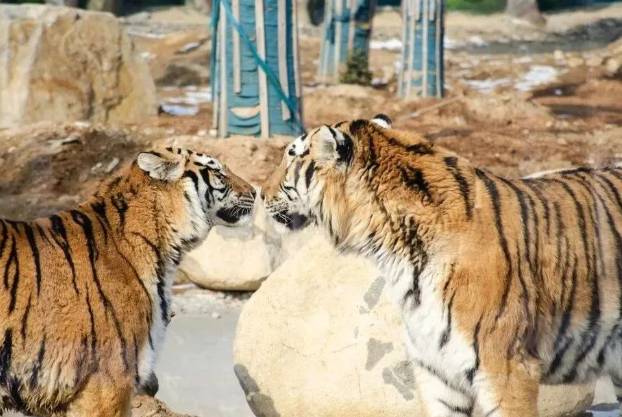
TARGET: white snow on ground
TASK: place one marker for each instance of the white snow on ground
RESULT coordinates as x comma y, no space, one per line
144,34
393,44
188,103
537,75
177,110
189,47
487,86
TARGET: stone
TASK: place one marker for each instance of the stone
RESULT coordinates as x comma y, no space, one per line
61,64
321,338
613,66
241,258
145,406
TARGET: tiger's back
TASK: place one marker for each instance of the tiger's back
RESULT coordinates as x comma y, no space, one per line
561,237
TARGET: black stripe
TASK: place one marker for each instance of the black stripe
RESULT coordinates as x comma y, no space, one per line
13,260
193,176
456,409
120,204
590,335
160,276
297,171
5,237
438,375
463,185
414,179
470,374
495,200
309,173
524,213
59,234
534,186
99,208
93,329
34,376
25,320
6,354
447,332
35,255
83,220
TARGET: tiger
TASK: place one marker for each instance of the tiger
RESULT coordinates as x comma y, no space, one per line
502,284
86,293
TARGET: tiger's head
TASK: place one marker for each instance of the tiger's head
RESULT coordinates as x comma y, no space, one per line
198,189
313,173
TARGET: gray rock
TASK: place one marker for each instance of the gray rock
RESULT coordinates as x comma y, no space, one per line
61,64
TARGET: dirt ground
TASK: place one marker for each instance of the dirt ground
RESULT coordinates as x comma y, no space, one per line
519,100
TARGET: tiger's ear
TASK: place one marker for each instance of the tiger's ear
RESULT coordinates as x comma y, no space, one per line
382,120
334,146
159,167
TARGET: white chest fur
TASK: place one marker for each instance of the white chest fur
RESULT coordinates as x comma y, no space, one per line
161,299
430,333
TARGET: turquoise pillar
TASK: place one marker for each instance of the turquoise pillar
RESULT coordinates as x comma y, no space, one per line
422,73
254,70
347,28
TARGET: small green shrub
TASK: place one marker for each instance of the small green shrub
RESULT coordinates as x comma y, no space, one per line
356,69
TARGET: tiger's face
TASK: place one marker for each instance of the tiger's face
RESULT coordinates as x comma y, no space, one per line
295,192
212,194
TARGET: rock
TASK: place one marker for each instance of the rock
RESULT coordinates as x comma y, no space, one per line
321,338
203,6
64,64
145,406
613,66
110,6
595,61
239,259
558,55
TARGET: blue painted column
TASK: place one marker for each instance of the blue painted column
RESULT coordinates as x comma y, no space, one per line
422,73
347,28
254,70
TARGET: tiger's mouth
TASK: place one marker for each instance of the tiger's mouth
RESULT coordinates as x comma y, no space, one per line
235,214
292,221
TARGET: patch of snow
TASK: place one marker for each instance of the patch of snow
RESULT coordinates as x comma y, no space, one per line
449,43
145,34
392,44
477,41
177,110
487,86
147,56
537,75
189,47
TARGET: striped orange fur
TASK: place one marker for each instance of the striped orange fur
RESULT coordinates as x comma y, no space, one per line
85,295
503,284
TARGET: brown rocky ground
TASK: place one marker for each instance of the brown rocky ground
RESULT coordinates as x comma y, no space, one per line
151,407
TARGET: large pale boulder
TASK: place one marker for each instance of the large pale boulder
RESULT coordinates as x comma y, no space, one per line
240,258
321,338
62,64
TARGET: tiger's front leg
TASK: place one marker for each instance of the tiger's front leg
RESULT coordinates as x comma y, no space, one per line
440,398
508,388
